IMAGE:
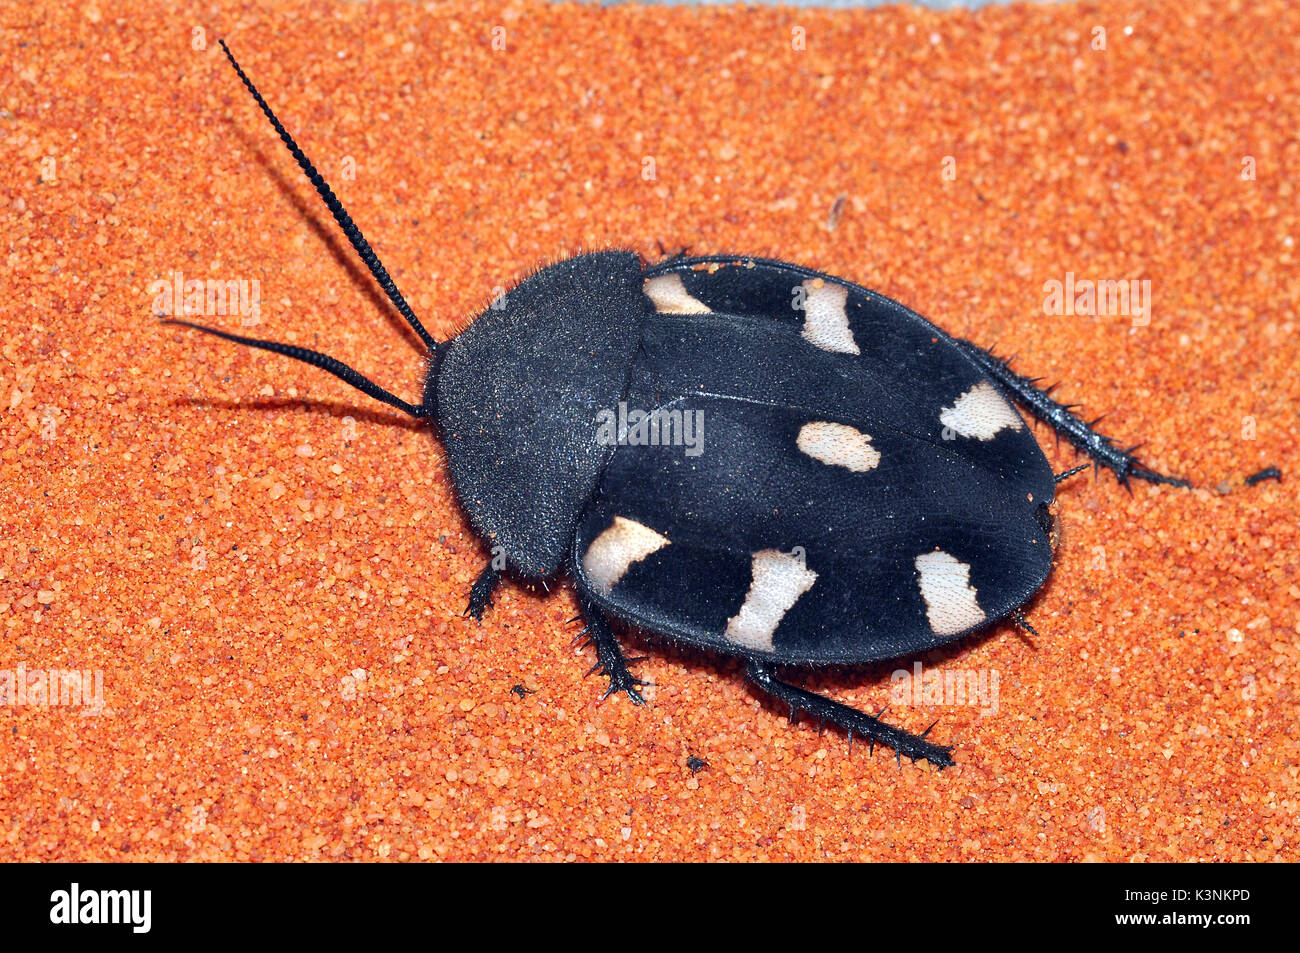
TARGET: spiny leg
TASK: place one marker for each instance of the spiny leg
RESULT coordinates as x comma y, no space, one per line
1061,418
480,594
610,660
1018,617
850,719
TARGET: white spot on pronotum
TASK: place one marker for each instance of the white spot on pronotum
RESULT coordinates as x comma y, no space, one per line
779,579
613,552
671,297
981,413
949,596
838,445
825,320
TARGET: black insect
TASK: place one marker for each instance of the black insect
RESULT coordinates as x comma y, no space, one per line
741,455
1268,473
696,764
521,691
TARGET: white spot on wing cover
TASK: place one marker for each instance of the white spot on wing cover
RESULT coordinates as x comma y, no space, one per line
950,599
981,413
671,297
613,552
838,445
825,318
779,579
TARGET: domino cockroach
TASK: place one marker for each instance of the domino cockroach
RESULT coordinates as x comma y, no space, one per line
866,490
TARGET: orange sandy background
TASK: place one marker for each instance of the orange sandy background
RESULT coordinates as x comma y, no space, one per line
272,591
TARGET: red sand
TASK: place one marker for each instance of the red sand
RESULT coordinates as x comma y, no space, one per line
272,592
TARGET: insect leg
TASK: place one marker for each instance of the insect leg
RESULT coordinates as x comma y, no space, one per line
855,722
1061,418
480,594
610,660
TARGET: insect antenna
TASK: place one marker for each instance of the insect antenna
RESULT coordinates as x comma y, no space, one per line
363,250
316,359
358,240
